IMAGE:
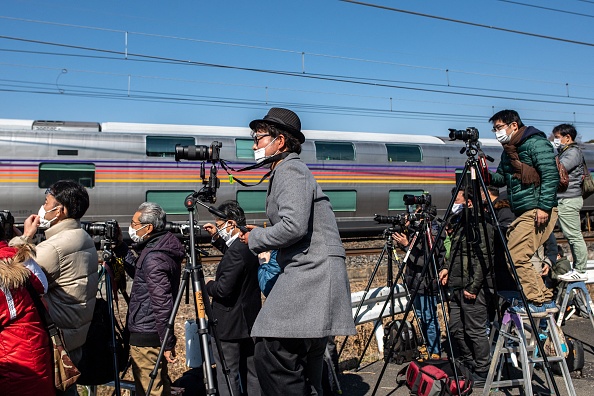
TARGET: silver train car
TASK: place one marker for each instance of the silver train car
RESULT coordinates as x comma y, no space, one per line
125,164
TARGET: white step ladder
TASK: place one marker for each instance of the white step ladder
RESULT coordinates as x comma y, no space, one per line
581,291
516,344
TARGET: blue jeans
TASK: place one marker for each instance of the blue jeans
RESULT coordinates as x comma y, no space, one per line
426,310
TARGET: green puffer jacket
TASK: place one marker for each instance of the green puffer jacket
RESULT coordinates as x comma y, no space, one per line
535,150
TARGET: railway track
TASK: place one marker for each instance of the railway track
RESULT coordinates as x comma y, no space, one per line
373,251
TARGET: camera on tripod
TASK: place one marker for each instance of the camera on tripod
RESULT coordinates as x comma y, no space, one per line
470,134
424,199
398,222
6,223
181,228
199,153
108,230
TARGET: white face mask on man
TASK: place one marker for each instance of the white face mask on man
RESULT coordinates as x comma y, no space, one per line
43,222
502,136
260,154
224,234
132,232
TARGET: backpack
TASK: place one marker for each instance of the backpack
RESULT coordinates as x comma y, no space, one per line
404,349
435,377
575,358
563,176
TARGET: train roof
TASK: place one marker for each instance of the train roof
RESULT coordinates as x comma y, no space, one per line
201,130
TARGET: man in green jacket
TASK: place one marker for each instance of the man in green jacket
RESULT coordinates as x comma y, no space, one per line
529,170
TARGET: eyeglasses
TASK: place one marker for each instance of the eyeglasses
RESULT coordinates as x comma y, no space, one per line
497,128
220,226
134,224
257,138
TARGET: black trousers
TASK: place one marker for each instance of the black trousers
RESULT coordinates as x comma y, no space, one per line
290,366
239,355
468,327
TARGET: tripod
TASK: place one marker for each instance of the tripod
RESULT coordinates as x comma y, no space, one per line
108,258
477,183
388,249
202,306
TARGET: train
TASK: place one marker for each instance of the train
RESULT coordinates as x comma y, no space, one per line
125,164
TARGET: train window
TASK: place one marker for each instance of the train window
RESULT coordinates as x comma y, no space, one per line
342,201
404,153
164,146
395,198
252,201
243,148
49,173
172,202
335,151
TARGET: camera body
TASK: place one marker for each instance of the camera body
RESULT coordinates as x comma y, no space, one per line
108,230
470,134
199,152
6,224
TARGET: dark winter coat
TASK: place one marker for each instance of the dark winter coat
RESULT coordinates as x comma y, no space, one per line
414,268
535,150
156,273
236,297
469,266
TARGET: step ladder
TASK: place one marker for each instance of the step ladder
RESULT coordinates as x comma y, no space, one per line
581,291
516,345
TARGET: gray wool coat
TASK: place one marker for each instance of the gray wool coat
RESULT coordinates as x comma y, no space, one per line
311,297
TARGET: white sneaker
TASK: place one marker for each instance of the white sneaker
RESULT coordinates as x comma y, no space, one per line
573,276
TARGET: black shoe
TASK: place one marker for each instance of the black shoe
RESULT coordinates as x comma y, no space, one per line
479,378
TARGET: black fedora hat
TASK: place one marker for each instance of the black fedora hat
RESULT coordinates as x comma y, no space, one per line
284,119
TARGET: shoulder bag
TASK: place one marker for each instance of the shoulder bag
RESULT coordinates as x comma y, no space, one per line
65,372
588,183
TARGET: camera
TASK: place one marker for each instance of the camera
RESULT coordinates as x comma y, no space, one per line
469,134
6,224
398,222
181,228
398,219
108,230
199,152
410,199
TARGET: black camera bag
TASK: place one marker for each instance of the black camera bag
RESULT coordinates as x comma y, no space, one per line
404,349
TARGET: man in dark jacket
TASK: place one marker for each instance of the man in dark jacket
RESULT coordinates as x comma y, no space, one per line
236,301
155,265
529,170
469,277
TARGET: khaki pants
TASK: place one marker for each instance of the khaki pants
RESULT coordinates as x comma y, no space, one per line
143,363
523,239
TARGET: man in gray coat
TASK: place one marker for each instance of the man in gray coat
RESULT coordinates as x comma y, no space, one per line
571,201
311,298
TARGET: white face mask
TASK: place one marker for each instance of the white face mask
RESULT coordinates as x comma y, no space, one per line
132,232
260,154
502,136
224,234
556,142
43,222
457,208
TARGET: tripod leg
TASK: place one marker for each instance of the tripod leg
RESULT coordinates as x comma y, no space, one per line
369,282
109,291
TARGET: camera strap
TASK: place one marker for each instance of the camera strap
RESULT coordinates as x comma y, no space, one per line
267,161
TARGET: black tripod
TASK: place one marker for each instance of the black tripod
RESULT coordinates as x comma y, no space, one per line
387,250
108,258
477,183
202,305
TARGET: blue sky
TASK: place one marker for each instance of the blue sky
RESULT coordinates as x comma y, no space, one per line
339,65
